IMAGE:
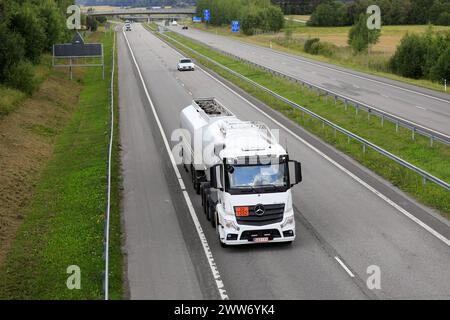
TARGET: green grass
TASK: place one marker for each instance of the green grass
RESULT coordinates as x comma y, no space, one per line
375,64
435,160
10,98
64,224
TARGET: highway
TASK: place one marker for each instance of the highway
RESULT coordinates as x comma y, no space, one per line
347,218
425,107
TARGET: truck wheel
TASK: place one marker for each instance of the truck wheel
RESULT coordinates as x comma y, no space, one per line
192,174
213,214
197,187
207,209
204,193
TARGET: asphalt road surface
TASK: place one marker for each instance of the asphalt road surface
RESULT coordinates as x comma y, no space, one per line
425,107
345,223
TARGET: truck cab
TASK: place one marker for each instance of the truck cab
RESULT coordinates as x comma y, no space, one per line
244,176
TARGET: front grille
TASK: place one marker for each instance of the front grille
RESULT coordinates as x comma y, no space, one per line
250,234
273,213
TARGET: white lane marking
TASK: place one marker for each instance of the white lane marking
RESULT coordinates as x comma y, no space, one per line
356,86
419,107
345,267
203,240
384,95
356,178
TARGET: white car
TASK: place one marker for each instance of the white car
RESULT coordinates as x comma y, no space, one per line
185,64
127,27
174,23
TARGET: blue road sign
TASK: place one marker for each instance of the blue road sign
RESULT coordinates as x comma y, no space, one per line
235,26
197,19
206,15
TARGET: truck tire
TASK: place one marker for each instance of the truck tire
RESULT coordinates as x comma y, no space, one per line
192,174
197,187
207,208
202,192
213,214
194,179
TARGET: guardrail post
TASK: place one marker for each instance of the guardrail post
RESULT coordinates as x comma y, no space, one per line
382,120
334,132
396,126
345,104
335,100
368,114
356,108
348,139
323,124
413,133
364,148
431,141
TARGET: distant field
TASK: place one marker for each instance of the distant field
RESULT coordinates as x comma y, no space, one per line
298,18
389,39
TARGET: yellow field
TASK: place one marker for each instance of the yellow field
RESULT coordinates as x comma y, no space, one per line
389,39
298,17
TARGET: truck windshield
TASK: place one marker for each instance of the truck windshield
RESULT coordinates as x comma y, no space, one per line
252,177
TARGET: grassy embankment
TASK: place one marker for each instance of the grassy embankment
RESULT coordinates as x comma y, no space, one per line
64,222
435,160
375,63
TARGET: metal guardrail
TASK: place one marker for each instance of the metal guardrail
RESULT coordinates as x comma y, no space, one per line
399,122
365,143
108,192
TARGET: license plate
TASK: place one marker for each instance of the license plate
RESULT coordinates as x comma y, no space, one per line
261,239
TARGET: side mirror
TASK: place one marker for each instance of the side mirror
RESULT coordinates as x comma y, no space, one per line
295,172
215,173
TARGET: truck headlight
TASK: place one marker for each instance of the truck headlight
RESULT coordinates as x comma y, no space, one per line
230,224
288,222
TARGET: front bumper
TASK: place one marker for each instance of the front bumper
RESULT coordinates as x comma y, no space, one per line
246,234
186,68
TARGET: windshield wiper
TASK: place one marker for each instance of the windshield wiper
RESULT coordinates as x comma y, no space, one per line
246,188
274,186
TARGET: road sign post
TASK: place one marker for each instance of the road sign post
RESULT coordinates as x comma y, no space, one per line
206,15
235,26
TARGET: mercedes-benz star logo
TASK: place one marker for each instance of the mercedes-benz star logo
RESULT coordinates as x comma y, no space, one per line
259,210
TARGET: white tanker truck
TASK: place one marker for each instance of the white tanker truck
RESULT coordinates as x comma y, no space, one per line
243,175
